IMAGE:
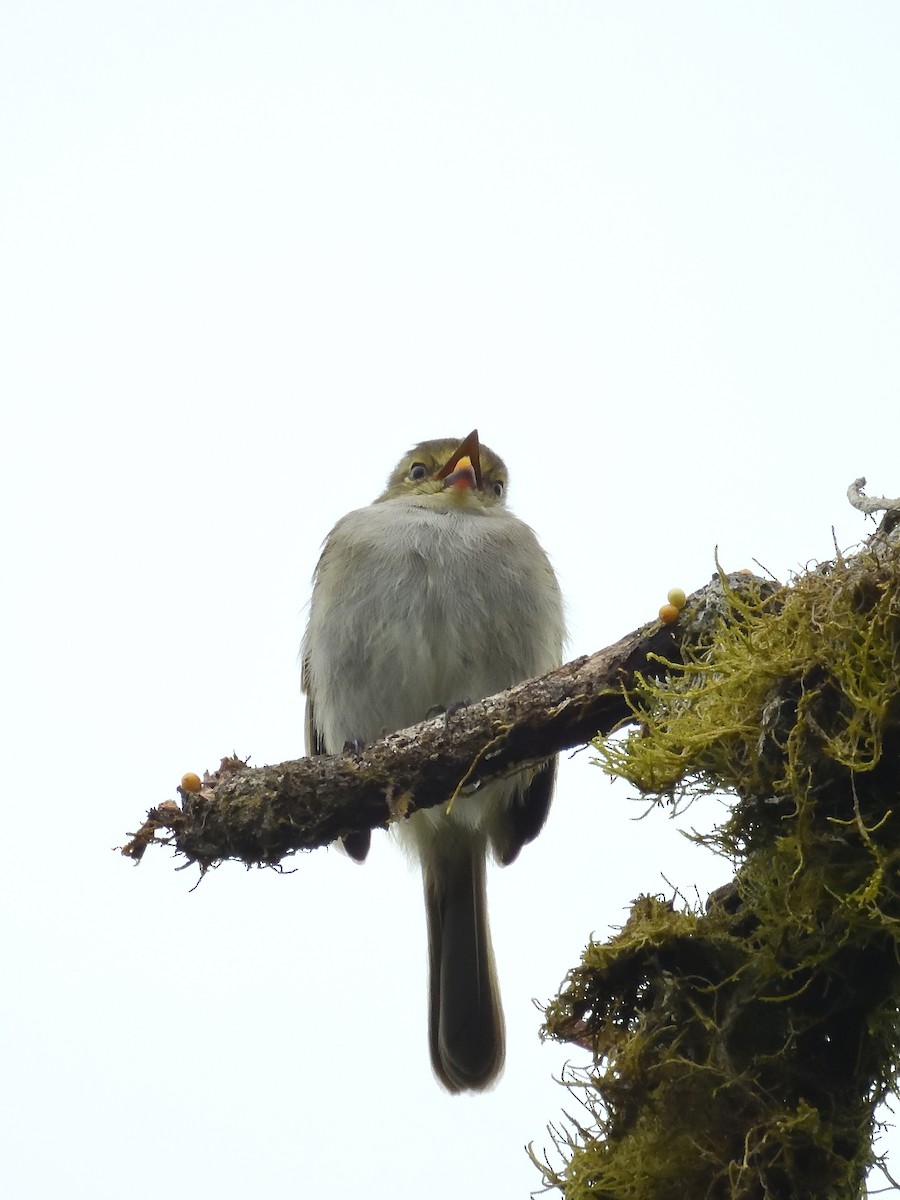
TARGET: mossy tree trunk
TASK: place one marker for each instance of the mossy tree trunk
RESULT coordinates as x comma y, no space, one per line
741,1051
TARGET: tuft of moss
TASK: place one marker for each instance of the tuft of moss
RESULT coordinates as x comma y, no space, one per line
740,1052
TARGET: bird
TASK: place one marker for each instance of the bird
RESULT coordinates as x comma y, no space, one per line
435,595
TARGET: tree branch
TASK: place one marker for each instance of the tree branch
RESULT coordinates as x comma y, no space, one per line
870,505
260,815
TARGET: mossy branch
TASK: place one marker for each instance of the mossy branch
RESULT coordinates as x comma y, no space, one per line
740,1051
260,815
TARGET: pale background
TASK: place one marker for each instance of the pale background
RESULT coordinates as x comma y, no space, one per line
250,254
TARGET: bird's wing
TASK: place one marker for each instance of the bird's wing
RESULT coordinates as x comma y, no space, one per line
524,819
314,743
356,844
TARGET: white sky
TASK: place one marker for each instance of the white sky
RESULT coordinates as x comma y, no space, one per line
250,254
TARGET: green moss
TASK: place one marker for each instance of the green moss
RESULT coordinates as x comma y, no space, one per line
741,1051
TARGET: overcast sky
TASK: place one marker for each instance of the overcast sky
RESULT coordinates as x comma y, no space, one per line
250,254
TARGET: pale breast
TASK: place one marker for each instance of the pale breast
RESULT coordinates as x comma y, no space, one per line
414,608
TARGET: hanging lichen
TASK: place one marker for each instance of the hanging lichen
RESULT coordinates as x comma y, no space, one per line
740,1052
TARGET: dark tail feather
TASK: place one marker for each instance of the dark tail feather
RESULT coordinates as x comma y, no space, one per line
465,1017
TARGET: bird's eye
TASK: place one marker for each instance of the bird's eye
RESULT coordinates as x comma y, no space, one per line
498,488
417,471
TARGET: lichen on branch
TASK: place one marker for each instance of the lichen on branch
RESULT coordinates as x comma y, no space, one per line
741,1051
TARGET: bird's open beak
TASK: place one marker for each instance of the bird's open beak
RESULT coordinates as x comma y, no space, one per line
463,468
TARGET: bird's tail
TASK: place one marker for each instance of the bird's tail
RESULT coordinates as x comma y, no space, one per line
465,1016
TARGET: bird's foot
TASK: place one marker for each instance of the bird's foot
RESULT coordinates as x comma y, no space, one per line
447,710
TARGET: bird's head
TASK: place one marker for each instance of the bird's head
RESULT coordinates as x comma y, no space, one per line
445,473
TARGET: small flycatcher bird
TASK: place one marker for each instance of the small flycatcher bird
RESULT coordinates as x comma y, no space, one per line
435,594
